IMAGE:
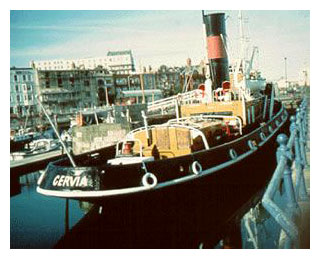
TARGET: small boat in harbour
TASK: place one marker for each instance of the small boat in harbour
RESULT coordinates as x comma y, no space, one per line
199,159
36,147
22,138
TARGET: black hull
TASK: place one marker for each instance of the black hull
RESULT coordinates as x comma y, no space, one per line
93,179
182,216
187,213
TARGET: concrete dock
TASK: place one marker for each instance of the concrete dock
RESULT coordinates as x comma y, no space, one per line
34,163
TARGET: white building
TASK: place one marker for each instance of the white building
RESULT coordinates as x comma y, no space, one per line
119,62
22,91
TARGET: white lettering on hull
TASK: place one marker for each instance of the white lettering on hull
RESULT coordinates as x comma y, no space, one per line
70,181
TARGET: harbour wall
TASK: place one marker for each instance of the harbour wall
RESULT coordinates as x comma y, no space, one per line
94,137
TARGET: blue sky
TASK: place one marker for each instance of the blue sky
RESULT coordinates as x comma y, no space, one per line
157,37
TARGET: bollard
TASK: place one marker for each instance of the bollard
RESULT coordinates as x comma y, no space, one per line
283,152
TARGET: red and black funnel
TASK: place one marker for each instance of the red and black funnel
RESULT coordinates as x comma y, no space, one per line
216,44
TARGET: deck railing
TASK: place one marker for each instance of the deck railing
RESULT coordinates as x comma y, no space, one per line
170,102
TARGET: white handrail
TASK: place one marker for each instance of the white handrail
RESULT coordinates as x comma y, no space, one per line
204,139
181,120
195,95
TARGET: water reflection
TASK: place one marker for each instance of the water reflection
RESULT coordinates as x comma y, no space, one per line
38,221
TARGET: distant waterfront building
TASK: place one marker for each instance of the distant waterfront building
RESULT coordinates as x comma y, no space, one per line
119,62
66,91
63,92
22,92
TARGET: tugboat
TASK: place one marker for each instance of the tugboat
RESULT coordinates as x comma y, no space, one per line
195,162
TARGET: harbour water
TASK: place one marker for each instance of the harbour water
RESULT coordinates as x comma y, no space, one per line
38,221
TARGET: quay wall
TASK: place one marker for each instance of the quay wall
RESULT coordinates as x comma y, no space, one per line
93,137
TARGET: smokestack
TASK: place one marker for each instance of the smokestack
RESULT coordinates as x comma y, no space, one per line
216,45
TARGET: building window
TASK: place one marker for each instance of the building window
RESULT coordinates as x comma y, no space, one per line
23,77
60,82
71,80
47,83
87,83
17,88
15,78
108,81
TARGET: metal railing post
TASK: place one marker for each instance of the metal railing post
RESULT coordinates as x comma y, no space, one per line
302,140
281,217
289,217
301,192
284,152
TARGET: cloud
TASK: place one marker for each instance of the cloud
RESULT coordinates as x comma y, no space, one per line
166,37
155,43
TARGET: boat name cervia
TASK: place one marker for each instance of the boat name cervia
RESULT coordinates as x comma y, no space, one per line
70,181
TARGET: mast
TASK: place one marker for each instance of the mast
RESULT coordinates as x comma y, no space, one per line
242,37
285,72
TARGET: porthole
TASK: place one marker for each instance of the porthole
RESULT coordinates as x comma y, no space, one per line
233,154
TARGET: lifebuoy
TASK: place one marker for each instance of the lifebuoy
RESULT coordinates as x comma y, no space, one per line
196,167
251,144
262,136
233,154
147,177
